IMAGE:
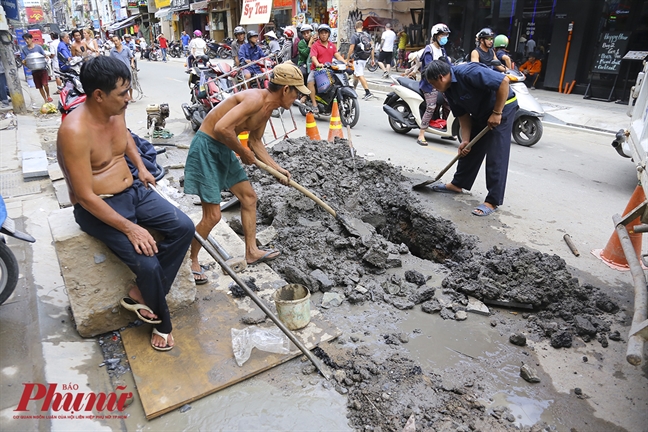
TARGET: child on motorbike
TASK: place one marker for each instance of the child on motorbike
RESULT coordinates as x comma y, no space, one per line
433,51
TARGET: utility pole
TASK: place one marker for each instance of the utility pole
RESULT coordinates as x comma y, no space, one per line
11,72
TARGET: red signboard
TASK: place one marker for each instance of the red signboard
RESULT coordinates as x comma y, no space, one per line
34,14
282,4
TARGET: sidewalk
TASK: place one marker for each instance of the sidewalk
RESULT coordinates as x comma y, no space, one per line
568,110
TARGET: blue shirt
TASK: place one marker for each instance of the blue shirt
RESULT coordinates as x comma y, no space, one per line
124,56
63,52
473,90
249,52
24,51
185,39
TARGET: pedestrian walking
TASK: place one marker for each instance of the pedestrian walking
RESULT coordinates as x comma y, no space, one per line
478,97
185,39
41,79
361,51
386,50
123,54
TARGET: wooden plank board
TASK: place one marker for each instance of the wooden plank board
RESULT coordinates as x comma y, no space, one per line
202,361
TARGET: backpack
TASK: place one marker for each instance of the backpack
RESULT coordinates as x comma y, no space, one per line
363,47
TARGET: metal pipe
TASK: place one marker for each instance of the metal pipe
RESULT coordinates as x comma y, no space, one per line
635,341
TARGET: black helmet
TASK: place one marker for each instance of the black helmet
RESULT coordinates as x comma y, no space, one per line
485,33
239,30
252,33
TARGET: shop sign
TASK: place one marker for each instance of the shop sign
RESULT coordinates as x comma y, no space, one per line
162,3
11,9
278,4
34,14
199,5
177,4
256,11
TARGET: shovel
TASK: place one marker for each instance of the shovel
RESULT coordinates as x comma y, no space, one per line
326,373
452,162
354,226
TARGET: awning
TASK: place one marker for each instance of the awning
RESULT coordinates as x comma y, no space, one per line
372,23
199,5
163,12
124,23
256,12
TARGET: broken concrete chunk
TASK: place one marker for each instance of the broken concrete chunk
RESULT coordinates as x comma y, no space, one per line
361,289
431,306
415,277
54,171
332,299
376,257
393,260
422,294
447,314
266,236
529,374
561,339
461,315
236,225
477,307
325,284
34,164
518,339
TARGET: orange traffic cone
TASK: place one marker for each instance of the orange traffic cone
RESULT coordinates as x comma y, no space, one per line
243,137
613,254
335,127
311,127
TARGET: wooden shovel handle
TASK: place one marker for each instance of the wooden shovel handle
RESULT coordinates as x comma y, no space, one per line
296,185
456,158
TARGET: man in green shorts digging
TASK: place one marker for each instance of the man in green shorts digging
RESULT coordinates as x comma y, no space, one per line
212,165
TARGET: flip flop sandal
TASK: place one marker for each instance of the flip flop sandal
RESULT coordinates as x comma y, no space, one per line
421,142
484,209
200,273
164,336
131,305
442,188
266,257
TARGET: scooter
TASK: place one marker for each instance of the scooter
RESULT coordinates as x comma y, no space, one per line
8,264
72,94
339,89
405,106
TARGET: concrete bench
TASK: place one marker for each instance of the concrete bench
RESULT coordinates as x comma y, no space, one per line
96,279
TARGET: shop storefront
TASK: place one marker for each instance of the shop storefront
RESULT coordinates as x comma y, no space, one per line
543,26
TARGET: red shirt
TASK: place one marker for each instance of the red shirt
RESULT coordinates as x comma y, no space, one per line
324,54
163,42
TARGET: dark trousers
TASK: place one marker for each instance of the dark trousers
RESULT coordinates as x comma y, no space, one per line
3,88
154,274
496,147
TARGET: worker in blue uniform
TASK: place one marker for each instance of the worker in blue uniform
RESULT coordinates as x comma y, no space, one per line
478,97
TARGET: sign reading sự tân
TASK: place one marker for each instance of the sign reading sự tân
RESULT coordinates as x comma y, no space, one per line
256,11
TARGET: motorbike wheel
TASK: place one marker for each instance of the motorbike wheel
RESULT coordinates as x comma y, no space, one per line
403,108
372,68
224,53
8,272
349,111
527,130
210,53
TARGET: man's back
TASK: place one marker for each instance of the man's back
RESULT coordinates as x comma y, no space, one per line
256,116
388,37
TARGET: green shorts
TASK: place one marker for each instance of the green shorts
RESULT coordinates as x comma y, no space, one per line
210,168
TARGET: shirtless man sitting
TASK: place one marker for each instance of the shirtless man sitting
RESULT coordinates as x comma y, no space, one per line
212,165
109,203
79,46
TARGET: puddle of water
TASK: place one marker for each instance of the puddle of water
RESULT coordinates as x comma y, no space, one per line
256,405
527,411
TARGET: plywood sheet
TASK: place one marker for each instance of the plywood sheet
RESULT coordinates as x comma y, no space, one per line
202,361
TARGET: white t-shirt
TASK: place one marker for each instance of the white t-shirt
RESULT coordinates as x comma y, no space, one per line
53,49
388,37
142,45
197,46
530,45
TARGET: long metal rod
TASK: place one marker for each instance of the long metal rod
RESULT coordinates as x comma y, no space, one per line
635,341
211,251
318,364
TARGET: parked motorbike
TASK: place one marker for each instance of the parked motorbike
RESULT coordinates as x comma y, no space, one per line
211,50
175,49
225,48
72,94
9,270
405,106
339,89
208,85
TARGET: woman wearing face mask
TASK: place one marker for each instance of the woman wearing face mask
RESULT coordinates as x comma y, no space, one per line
433,51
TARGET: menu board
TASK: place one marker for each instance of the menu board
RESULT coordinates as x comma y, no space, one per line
611,50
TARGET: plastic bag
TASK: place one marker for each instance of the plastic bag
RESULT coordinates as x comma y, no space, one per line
265,339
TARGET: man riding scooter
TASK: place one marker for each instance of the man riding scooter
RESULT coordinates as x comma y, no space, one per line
250,53
322,52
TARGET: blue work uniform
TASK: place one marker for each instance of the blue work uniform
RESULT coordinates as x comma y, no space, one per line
249,52
473,91
63,52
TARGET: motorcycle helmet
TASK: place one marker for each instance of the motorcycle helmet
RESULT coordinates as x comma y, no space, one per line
306,27
197,33
439,28
251,34
485,33
289,33
239,30
323,27
271,34
501,41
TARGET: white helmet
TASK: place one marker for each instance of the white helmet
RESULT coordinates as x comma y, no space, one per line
439,28
306,27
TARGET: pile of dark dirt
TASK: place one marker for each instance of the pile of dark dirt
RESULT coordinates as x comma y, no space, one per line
319,253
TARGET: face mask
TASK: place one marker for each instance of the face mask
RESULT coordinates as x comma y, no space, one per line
443,40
